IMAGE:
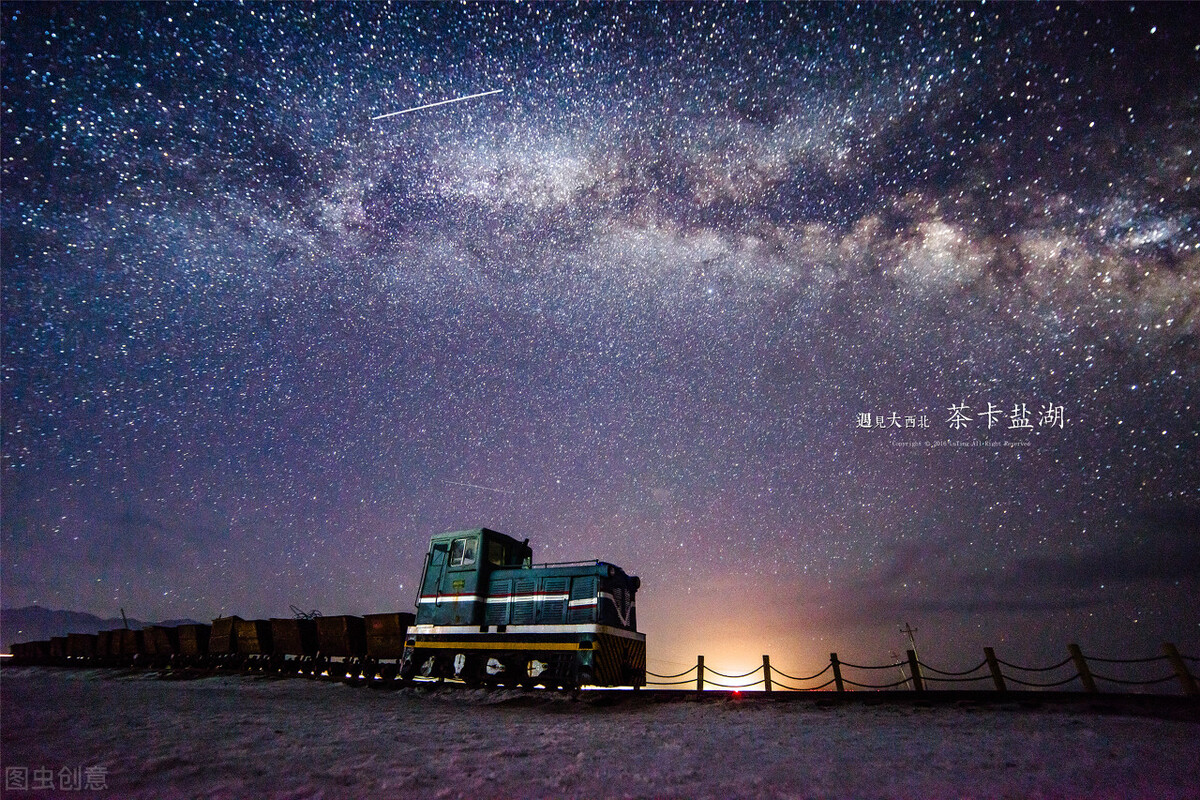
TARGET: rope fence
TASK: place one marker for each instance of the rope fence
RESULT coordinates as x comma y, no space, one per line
1041,685
1163,679
901,682
1066,660
679,675
734,677
1127,660
812,677
958,680
917,674
809,689
881,666
975,668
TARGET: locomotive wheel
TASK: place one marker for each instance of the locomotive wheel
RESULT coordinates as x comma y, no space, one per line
514,672
535,672
429,668
492,671
469,670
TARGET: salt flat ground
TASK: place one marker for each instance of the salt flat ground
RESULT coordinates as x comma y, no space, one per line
238,737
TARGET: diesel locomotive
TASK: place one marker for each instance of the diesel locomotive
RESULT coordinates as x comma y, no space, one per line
487,614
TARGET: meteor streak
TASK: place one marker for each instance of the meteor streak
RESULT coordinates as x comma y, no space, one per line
439,103
477,486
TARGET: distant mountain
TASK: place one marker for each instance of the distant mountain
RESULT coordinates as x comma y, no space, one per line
34,623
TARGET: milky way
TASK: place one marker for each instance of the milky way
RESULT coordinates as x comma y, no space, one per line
696,291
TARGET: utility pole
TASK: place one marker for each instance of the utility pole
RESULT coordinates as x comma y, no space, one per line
909,630
914,660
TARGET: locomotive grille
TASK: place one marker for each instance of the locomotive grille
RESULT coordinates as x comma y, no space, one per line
497,612
582,607
623,601
554,600
522,607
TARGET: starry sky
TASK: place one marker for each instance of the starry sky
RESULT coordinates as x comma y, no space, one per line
819,318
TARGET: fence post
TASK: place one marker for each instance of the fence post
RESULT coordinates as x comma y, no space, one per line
994,666
914,669
699,673
766,673
837,672
1185,677
1081,666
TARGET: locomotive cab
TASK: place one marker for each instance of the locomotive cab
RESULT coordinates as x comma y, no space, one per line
458,568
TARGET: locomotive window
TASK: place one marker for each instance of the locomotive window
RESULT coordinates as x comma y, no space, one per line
462,552
496,554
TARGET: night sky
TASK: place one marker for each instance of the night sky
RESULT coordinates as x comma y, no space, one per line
723,294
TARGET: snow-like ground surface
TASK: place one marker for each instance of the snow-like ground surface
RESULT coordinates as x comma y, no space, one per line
236,737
